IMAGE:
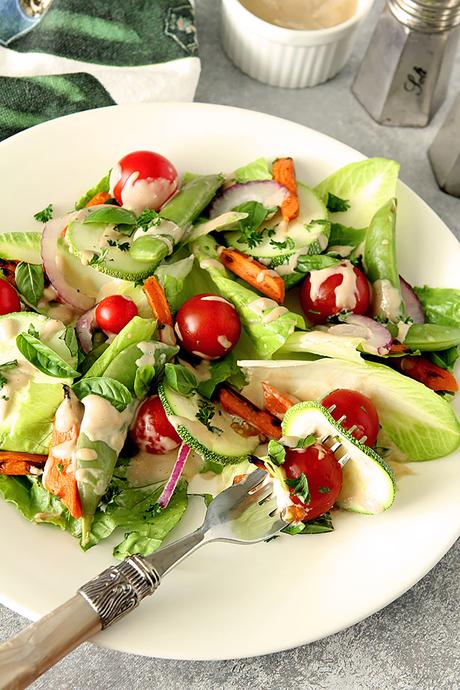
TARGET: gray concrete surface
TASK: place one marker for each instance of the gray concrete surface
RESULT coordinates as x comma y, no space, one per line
413,644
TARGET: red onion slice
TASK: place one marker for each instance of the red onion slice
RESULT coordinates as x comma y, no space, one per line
176,472
267,192
84,328
376,338
412,303
51,233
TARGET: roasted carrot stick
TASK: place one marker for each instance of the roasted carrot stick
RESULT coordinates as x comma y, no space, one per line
59,475
421,369
235,404
99,198
157,301
284,172
398,348
275,402
257,275
15,463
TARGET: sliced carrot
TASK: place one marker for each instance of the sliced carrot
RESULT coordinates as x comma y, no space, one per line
275,402
421,369
59,475
284,172
235,404
157,301
13,463
99,198
8,268
398,349
256,274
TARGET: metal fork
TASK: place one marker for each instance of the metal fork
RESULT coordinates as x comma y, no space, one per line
245,513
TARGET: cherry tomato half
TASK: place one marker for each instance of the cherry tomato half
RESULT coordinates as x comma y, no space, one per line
359,411
324,475
151,431
9,300
208,326
143,179
114,312
320,295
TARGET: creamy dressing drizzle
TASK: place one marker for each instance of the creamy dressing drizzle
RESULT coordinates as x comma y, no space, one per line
302,14
149,350
403,329
215,298
167,334
211,263
139,194
386,300
345,293
93,476
102,422
267,309
167,231
224,342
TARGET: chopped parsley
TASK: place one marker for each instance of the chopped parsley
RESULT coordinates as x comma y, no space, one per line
288,243
324,490
147,218
335,204
249,227
5,367
98,258
300,488
33,331
60,467
205,414
124,246
45,214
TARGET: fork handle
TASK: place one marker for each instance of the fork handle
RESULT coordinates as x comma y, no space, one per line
99,603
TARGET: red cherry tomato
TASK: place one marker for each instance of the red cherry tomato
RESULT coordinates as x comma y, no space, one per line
208,326
319,301
114,312
324,475
359,410
9,300
152,432
143,179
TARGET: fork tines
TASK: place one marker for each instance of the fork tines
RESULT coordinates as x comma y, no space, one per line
336,447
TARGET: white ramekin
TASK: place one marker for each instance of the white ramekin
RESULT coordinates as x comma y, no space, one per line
287,57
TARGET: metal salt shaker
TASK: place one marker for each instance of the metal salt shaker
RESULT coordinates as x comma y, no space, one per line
404,76
444,152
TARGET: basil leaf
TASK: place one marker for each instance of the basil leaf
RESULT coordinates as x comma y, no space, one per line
180,379
306,263
43,357
143,380
70,340
300,488
306,442
110,389
276,452
445,359
225,369
111,215
30,281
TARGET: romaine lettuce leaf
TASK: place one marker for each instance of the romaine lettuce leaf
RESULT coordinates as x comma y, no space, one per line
366,185
441,305
268,334
421,423
102,186
256,170
171,277
225,369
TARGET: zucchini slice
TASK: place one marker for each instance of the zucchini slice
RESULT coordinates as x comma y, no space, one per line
368,483
217,442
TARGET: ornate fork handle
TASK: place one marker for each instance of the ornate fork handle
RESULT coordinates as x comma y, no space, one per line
119,589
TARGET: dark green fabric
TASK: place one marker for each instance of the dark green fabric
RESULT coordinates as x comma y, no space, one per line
27,101
114,32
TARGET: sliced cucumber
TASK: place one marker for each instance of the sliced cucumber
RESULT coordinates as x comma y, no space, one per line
368,483
92,243
83,278
21,246
223,445
281,241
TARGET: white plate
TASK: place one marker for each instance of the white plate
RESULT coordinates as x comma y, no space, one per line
228,601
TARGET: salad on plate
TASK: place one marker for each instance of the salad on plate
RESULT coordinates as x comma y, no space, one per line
168,336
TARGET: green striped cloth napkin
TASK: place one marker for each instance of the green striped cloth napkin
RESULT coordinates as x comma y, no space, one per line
61,56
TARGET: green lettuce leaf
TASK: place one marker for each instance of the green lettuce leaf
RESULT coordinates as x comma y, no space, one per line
366,185
323,344
256,170
21,246
102,186
421,423
267,335
441,305
225,369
